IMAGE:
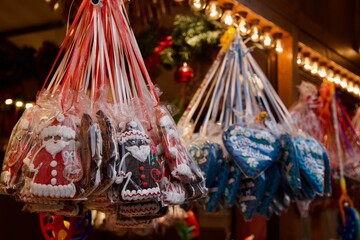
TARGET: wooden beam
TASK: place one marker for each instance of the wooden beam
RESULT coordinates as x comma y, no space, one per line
31,29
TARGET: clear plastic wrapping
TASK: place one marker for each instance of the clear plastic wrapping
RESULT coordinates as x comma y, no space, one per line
20,142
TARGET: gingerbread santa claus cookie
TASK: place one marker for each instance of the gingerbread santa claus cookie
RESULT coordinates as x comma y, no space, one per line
138,172
18,147
55,166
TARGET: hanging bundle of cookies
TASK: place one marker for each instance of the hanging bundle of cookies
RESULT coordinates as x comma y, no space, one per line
302,165
347,132
244,129
303,112
207,112
98,137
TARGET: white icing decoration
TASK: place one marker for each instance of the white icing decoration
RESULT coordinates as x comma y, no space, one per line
140,194
249,152
26,161
173,151
58,130
182,169
243,207
133,135
133,124
60,117
53,163
165,121
141,153
53,173
239,142
53,181
24,124
248,198
5,177
45,190
140,209
252,162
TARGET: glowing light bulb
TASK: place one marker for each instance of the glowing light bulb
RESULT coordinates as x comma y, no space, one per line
9,101
343,82
56,6
278,42
228,18
213,11
29,105
243,26
307,61
266,38
299,58
254,31
19,104
337,79
197,5
330,74
314,66
350,87
356,89
322,70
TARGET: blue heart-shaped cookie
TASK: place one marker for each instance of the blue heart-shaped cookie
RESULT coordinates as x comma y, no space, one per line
233,184
280,202
273,179
291,181
216,191
311,163
208,157
327,185
250,192
253,150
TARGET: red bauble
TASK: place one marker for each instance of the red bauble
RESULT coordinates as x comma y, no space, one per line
184,74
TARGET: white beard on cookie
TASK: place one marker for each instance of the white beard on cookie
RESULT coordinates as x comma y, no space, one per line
141,153
55,146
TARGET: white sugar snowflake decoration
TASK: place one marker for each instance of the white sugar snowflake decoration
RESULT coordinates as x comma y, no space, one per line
252,162
243,207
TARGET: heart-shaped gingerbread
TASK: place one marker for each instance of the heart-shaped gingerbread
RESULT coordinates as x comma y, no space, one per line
217,189
253,150
311,163
233,184
291,180
209,157
250,193
273,179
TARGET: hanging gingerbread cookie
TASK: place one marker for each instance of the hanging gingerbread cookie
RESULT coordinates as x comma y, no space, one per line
175,153
138,172
19,145
56,167
91,153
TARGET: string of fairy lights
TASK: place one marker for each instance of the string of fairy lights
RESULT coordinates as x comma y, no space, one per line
321,67
18,103
229,14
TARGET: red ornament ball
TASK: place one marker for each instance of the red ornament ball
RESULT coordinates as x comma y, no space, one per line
184,74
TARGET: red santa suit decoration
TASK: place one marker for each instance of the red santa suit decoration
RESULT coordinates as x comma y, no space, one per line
175,153
55,166
18,147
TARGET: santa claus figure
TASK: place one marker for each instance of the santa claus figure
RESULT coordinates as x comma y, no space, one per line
55,166
138,171
18,147
172,190
175,153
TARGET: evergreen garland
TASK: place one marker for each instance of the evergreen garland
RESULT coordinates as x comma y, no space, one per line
194,38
